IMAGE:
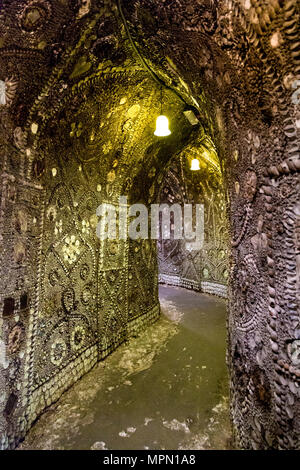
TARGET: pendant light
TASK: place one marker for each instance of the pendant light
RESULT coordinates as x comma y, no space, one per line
162,126
162,122
195,165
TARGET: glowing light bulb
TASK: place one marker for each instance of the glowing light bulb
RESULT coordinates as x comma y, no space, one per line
162,126
195,165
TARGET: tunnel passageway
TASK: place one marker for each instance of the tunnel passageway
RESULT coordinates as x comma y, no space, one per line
165,389
120,107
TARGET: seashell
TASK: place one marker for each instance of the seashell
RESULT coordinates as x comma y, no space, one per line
269,207
294,151
275,4
274,346
283,380
20,138
273,171
296,161
266,17
290,412
291,27
278,399
2,92
295,46
290,399
257,423
273,334
291,164
291,22
288,121
288,222
8,90
260,359
290,131
262,24
271,272
289,4
271,12
295,53
292,34
267,190
289,11
272,322
292,370
283,168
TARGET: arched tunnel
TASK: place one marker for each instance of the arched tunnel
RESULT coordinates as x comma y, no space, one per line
81,85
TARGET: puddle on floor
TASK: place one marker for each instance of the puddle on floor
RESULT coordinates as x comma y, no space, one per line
166,389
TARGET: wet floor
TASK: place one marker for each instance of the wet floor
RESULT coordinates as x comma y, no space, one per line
166,389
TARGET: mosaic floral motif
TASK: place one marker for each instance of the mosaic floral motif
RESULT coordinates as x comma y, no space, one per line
113,248
35,15
86,295
58,352
76,129
84,272
77,338
71,249
107,147
111,176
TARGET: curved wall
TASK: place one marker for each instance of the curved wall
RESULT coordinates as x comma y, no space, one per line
204,270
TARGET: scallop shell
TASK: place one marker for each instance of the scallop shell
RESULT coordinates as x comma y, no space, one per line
11,88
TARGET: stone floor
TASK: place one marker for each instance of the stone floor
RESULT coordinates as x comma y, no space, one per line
166,389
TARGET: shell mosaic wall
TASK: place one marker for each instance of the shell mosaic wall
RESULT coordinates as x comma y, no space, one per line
204,269
78,105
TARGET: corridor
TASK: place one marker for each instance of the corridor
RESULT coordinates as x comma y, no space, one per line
165,389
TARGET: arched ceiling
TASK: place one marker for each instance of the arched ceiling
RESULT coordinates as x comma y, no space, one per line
234,62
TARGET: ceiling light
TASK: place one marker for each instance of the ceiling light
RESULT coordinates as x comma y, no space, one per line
162,126
162,122
195,165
